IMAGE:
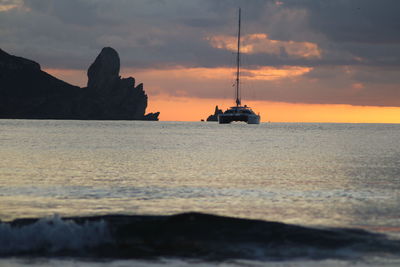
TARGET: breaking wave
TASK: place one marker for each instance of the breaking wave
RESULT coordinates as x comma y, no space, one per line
51,235
187,235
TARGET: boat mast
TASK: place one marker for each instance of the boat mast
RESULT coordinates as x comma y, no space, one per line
238,101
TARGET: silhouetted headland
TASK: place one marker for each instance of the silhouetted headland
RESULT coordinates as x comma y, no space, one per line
27,92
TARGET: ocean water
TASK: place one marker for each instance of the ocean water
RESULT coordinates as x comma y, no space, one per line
321,176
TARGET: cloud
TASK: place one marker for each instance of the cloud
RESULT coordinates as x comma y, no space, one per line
272,73
324,85
6,5
260,43
163,33
341,52
360,21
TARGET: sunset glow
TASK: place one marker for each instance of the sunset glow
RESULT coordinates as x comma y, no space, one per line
264,73
213,132
180,107
190,109
7,7
297,61
261,43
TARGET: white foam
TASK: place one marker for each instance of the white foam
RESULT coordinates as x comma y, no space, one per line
52,235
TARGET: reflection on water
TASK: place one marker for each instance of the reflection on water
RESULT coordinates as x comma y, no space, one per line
313,174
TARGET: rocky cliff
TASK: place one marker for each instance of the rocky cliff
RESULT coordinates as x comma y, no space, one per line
27,92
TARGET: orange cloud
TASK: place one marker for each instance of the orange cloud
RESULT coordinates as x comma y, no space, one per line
260,43
357,86
185,108
12,5
263,73
273,73
7,7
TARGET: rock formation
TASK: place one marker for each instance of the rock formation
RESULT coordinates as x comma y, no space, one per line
214,117
27,92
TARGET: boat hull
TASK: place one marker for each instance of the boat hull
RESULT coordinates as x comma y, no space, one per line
253,119
248,118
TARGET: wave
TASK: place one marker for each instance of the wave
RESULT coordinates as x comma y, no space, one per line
187,235
51,236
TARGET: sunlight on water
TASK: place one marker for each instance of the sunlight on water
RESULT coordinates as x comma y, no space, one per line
312,174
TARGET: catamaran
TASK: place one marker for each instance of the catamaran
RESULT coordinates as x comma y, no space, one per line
239,112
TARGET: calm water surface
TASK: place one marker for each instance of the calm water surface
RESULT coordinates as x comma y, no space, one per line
345,175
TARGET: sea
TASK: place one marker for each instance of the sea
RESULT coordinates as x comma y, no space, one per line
141,193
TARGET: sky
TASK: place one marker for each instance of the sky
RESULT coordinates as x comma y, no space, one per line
302,60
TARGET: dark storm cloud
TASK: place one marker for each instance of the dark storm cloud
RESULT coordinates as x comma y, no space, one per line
79,12
361,21
356,29
357,35
165,33
151,32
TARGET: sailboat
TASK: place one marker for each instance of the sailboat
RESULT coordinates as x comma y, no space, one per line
239,112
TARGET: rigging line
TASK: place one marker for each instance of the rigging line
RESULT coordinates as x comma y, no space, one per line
238,102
